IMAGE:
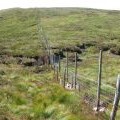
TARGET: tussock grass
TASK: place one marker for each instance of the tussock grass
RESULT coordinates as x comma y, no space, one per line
31,96
27,95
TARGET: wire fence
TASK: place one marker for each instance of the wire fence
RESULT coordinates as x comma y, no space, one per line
93,92
86,86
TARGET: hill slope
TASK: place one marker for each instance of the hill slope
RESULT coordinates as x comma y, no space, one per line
34,93
63,27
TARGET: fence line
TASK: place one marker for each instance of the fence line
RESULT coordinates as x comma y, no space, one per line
89,86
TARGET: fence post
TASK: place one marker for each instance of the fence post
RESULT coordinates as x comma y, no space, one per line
67,66
75,69
116,100
99,80
50,63
54,63
49,59
59,64
72,81
64,79
57,73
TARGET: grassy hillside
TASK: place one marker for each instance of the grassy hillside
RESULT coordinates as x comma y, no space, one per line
25,95
31,93
63,27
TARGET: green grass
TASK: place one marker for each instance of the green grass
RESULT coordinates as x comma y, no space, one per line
30,96
27,95
63,27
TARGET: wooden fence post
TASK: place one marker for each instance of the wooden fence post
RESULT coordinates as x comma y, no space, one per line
67,66
49,59
72,81
57,73
64,79
54,63
116,100
75,70
59,63
99,80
